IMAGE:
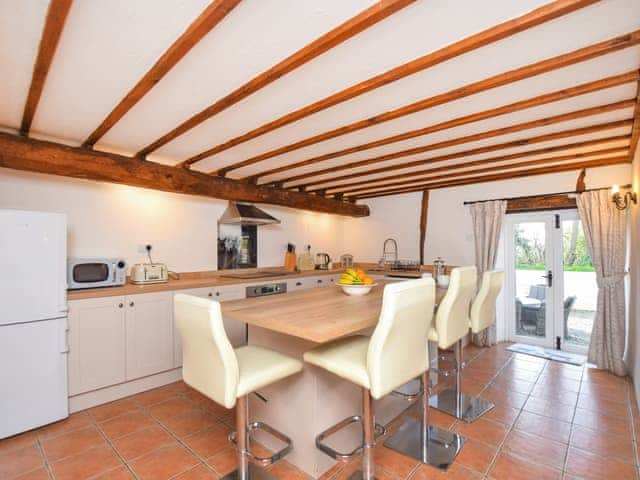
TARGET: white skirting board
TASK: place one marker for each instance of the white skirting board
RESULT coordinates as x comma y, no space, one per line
122,390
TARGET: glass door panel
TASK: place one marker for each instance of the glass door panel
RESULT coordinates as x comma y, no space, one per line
579,290
532,254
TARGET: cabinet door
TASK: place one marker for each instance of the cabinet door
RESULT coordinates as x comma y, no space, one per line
97,343
149,326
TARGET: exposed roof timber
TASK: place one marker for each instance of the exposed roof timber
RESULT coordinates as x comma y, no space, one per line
54,24
501,176
22,153
618,151
206,21
550,64
493,148
473,42
518,127
473,163
558,95
341,33
635,130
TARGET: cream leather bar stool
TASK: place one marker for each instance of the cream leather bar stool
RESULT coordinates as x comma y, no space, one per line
451,326
394,354
483,309
227,376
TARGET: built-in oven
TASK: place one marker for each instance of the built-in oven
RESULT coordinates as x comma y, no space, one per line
95,272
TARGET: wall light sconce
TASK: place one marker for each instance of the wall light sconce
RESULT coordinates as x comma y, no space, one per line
623,202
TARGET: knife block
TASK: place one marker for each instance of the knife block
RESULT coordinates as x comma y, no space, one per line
290,261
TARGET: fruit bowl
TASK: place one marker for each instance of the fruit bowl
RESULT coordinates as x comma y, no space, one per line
356,290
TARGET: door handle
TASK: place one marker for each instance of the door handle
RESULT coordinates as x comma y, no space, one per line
549,277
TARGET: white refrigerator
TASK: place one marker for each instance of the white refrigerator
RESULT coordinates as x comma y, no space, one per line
33,320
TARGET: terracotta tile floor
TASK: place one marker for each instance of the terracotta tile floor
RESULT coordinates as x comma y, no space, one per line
551,420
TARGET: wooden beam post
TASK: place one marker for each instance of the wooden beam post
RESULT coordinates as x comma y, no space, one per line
22,153
206,21
56,18
424,215
580,185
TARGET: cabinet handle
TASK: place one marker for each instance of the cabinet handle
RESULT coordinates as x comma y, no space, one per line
319,281
217,294
210,294
298,284
120,305
131,304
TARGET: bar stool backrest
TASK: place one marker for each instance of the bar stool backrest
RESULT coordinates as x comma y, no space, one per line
209,363
452,318
398,347
483,309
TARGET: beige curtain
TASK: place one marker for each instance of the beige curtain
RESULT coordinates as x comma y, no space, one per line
605,230
487,218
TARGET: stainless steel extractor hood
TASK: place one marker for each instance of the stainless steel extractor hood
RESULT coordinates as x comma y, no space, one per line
246,214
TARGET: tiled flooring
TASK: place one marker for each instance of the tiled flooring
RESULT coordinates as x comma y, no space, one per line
551,421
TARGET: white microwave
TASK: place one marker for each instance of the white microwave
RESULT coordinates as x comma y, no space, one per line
95,272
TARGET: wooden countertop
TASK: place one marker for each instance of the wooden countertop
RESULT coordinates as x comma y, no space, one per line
319,315
189,280
215,278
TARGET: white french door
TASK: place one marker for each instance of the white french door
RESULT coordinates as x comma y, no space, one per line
550,286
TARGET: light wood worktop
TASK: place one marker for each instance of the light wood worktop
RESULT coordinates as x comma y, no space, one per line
319,315
215,278
189,280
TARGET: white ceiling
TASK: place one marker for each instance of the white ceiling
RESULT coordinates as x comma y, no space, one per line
108,45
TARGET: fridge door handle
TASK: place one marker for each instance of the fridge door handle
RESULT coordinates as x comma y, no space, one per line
64,341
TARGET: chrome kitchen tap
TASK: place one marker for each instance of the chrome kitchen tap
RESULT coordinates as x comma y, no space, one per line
386,254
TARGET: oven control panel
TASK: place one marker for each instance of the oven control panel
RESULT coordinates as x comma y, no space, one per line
266,289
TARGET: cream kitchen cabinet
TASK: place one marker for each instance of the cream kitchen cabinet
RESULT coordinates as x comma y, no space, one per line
235,330
116,339
149,334
97,343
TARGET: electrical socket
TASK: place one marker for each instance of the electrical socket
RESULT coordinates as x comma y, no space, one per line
144,247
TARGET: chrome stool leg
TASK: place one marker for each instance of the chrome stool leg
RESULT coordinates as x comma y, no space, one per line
419,440
247,469
456,403
370,431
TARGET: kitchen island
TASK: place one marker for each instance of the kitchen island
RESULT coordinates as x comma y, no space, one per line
306,404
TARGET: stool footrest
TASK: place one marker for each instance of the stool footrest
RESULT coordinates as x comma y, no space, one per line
265,461
341,456
409,396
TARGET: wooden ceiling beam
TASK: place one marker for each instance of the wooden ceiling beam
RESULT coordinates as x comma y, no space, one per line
53,26
22,153
589,87
341,33
501,176
206,21
480,136
474,163
498,32
528,71
618,151
635,130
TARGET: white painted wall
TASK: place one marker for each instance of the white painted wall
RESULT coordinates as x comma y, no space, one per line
633,345
449,225
107,220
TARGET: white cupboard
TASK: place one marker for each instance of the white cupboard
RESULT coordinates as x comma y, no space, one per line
149,333
115,340
97,343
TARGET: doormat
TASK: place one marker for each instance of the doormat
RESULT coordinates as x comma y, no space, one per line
549,354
